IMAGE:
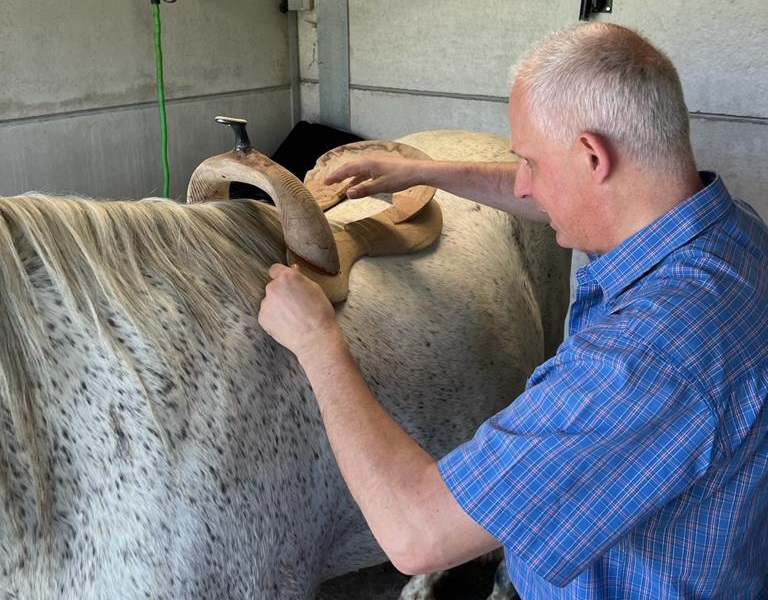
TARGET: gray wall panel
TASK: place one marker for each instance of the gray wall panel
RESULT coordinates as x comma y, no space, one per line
116,153
77,105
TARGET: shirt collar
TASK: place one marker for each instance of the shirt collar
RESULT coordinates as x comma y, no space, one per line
629,261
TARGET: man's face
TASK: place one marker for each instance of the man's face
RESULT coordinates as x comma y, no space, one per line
553,176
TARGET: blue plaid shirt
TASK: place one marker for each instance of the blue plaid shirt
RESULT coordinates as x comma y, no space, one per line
635,464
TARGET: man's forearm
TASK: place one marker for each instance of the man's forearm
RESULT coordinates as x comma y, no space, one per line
376,457
394,481
489,183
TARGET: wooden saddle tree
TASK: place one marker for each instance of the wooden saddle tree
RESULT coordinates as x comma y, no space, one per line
411,223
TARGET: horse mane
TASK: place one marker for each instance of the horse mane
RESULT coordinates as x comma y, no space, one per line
106,257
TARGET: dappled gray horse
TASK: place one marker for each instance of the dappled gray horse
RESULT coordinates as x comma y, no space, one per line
156,443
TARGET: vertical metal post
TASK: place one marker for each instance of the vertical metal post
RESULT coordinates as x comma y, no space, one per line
333,62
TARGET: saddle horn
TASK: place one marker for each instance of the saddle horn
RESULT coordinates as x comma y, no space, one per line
306,231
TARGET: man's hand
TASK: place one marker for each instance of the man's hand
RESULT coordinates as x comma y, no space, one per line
379,173
296,312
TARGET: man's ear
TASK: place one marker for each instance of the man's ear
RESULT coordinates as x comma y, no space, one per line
596,151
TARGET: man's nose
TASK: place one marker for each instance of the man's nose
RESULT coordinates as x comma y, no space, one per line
522,187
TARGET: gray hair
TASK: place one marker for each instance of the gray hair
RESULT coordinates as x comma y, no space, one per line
607,79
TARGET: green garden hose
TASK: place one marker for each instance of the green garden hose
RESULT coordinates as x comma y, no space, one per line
161,97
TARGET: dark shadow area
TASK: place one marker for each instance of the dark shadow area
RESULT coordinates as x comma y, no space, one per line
298,153
471,581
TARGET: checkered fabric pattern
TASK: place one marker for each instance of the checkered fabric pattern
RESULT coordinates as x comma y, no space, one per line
635,464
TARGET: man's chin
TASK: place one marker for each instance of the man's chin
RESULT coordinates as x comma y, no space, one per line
562,240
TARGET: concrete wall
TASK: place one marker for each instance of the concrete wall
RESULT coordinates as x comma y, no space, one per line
78,112
78,108
437,64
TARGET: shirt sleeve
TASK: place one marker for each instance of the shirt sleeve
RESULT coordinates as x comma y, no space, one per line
604,435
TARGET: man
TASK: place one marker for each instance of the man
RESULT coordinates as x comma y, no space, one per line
635,464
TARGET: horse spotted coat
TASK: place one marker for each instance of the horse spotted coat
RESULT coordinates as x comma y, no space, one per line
157,444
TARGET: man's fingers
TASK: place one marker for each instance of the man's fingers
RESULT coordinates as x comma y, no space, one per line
290,279
276,269
352,169
357,180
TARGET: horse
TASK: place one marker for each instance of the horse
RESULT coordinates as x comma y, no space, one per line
156,443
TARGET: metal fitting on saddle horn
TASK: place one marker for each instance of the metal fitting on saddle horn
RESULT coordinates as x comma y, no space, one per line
242,141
